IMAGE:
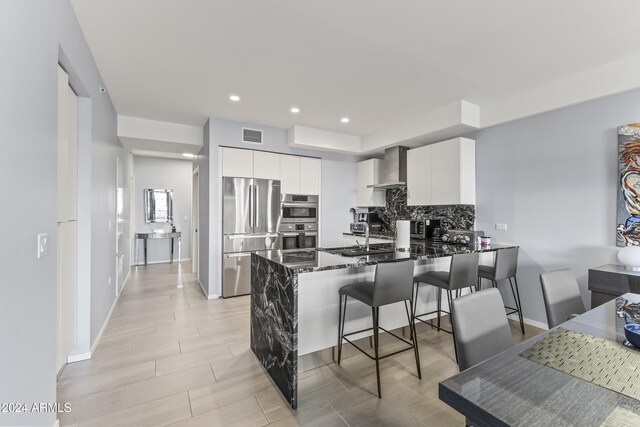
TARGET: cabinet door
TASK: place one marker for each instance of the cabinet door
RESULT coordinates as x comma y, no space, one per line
266,165
445,173
369,172
236,162
419,176
309,176
289,174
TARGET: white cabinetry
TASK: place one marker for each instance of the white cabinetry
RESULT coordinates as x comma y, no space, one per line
442,173
289,174
237,162
309,176
266,165
299,175
369,172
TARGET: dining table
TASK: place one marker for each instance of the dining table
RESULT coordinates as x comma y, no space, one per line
586,387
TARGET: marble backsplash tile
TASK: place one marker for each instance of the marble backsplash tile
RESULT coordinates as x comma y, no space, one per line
459,217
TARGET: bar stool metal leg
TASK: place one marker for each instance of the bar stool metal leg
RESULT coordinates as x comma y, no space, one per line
341,320
375,311
414,335
455,347
516,298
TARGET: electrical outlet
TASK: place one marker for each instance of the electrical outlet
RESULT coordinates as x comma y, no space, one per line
109,280
109,225
501,226
43,245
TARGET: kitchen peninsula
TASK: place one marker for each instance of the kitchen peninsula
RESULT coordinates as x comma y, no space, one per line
294,300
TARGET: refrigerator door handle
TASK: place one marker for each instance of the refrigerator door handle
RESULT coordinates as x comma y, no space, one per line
256,208
240,255
251,236
250,205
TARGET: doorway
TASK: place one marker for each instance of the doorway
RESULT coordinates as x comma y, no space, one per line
195,223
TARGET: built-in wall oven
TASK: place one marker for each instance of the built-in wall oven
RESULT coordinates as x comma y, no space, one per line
303,235
298,227
299,208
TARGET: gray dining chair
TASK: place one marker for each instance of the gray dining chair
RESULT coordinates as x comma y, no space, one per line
393,282
561,296
481,327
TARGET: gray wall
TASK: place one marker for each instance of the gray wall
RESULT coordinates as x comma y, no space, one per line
172,174
340,190
229,133
32,36
201,162
553,179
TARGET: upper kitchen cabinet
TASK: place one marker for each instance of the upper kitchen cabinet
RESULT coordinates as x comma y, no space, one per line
369,173
236,162
309,176
266,165
289,174
442,173
299,175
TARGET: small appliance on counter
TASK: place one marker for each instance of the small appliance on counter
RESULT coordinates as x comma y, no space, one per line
357,228
424,228
403,235
462,237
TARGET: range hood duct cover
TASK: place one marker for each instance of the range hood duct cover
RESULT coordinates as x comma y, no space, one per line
395,168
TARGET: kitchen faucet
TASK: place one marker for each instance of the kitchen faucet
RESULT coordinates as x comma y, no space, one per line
366,234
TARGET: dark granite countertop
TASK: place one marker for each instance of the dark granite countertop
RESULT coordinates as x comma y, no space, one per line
381,235
306,261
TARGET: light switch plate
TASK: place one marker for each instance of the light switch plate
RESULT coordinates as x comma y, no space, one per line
501,226
43,245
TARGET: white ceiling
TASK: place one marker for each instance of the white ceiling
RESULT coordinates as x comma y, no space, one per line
377,62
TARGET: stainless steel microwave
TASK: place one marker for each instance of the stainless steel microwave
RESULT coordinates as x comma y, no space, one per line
299,208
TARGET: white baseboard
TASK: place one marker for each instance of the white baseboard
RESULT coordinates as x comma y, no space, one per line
529,322
165,261
204,292
106,321
79,357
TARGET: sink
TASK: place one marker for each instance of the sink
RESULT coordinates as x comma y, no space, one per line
364,252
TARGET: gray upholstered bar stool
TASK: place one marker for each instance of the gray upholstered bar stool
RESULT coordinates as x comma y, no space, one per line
392,283
561,295
463,273
504,267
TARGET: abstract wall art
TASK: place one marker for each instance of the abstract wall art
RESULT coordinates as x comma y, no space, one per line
628,217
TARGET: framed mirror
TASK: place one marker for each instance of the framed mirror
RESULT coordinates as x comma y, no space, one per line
158,205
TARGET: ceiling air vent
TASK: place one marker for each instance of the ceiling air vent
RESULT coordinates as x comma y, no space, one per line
253,136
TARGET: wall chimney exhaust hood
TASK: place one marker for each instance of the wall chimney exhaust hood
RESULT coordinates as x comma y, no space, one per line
395,169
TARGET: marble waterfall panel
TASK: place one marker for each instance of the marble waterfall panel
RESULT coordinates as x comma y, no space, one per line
274,323
459,217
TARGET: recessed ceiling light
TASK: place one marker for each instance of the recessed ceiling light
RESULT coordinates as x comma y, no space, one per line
234,98
345,120
189,155
295,110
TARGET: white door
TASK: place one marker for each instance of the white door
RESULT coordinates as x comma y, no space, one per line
67,220
195,224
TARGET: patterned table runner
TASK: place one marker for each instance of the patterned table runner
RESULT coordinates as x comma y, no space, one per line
606,363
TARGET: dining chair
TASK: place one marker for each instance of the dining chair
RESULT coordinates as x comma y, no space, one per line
481,327
393,282
561,296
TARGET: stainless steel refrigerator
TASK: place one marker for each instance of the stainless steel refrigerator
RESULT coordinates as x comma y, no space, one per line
250,217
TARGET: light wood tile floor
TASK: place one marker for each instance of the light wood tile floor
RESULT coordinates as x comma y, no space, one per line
171,357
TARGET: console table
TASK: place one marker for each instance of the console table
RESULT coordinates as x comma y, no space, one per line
155,235
610,281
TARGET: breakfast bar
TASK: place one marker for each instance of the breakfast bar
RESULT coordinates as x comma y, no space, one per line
294,299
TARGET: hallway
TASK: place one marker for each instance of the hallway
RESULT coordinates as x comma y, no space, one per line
170,356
